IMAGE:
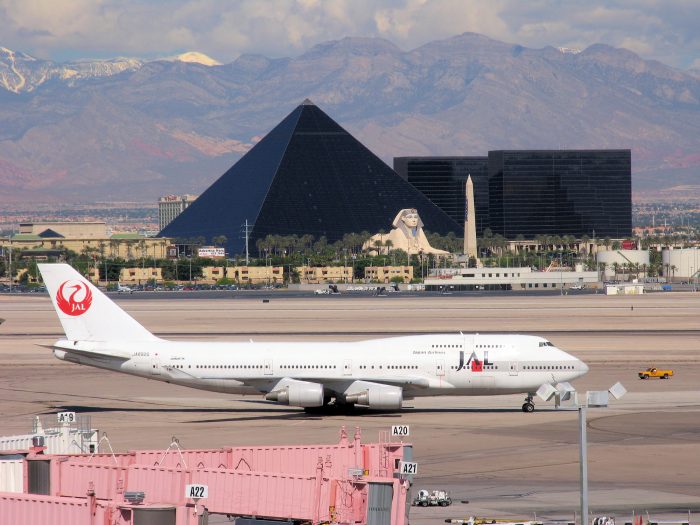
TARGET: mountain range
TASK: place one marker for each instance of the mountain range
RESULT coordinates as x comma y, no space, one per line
133,129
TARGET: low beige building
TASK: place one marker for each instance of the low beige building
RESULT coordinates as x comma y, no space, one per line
138,275
94,275
212,274
124,245
384,274
324,274
243,274
254,274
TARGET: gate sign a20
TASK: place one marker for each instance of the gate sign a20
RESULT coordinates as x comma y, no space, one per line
196,491
400,430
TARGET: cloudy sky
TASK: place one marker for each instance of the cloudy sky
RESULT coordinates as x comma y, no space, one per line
666,30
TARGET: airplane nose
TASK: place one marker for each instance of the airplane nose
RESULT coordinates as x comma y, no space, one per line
583,367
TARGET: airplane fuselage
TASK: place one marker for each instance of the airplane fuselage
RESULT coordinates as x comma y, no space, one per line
375,373
426,365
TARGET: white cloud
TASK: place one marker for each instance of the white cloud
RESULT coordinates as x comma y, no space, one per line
654,28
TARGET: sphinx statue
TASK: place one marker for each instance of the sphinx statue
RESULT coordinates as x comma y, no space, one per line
407,235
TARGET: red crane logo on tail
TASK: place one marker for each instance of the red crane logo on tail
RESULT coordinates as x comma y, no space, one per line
75,302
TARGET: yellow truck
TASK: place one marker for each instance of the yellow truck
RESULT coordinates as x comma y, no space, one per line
655,372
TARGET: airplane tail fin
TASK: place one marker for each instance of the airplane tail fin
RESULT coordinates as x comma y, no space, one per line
85,312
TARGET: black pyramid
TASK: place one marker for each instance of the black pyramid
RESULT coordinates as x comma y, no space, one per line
307,176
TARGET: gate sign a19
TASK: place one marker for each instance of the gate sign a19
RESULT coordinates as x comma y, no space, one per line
65,417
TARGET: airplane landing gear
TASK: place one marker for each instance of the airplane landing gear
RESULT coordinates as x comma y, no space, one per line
528,405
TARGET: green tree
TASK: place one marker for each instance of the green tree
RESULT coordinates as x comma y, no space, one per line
220,240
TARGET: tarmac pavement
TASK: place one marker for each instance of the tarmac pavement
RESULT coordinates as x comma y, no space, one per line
644,450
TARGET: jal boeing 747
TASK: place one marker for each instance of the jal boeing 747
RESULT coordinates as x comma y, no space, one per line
375,373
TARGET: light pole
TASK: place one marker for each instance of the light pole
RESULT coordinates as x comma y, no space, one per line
9,260
565,392
583,462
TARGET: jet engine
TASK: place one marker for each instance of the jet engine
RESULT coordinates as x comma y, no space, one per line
66,356
373,395
297,393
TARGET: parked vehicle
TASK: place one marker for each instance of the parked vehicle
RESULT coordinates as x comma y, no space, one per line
434,498
655,372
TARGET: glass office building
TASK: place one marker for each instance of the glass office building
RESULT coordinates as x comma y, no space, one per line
442,180
306,176
560,192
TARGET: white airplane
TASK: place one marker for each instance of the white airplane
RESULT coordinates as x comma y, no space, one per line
375,373
124,289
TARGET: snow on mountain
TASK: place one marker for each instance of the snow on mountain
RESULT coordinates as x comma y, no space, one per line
22,73
569,50
195,57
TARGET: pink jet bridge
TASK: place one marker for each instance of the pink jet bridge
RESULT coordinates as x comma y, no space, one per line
347,483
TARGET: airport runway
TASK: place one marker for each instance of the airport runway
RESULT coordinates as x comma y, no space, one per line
644,451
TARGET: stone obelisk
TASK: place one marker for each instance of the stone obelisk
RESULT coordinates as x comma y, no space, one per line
470,221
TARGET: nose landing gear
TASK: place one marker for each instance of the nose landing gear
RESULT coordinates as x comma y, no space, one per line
528,405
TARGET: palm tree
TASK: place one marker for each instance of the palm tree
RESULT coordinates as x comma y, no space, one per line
378,243
615,267
585,240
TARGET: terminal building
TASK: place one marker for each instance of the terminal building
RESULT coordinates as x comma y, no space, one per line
523,279
528,193
308,176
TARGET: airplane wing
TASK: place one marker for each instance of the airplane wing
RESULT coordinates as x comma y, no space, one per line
339,383
416,381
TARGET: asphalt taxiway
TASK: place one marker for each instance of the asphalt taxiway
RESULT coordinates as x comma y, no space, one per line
644,450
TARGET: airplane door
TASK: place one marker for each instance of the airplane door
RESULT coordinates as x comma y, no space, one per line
155,365
468,344
440,368
513,368
347,367
268,367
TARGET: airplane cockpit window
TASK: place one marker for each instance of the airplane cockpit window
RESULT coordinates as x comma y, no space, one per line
545,343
